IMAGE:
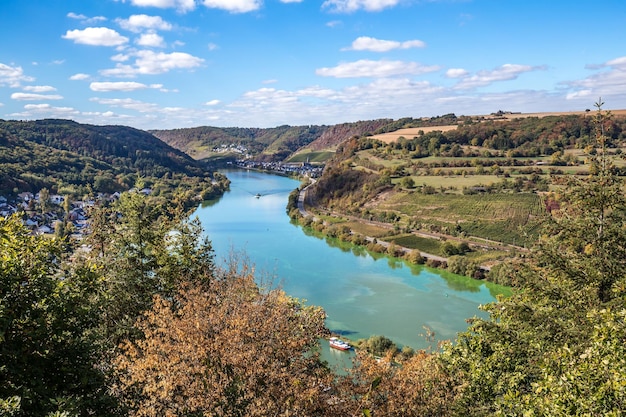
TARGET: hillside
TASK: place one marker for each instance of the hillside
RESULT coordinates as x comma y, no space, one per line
482,182
271,144
65,155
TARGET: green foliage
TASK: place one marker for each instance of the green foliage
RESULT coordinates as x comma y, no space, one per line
64,156
378,345
48,343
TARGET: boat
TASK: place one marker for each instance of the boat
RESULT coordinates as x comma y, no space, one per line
337,343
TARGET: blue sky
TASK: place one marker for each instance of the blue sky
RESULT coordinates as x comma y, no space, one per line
162,64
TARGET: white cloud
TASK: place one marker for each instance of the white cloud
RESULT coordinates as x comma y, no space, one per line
348,6
585,94
126,103
138,22
377,69
456,73
150,62
151,40
233,6
117,86
619,63
73,15
86,19
39,88
212,47
502,73
610,82
291,1
13,76
212,103
182,6
79,77
34,96
365,43
120,57
99,36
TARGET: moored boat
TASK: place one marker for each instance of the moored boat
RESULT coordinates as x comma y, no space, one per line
337,343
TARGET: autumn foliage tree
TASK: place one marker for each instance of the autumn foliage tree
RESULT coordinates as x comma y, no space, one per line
226,347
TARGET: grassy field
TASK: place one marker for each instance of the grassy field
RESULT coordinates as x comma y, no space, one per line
497,217
410,133
312,157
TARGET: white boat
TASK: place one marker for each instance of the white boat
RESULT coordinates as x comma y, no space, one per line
337,343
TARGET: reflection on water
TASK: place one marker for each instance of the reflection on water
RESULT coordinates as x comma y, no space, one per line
361,294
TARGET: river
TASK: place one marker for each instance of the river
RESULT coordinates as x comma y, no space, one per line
363,295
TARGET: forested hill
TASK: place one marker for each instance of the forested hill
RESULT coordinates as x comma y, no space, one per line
275,144
54,153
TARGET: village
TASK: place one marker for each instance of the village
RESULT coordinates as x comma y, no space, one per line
304,169
52,214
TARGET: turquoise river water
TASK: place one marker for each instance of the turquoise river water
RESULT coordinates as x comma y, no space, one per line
361,294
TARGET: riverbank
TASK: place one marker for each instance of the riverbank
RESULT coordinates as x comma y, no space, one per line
457,263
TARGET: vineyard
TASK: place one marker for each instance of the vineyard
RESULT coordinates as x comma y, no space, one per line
500,217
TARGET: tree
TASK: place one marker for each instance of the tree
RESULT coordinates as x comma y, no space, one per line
226,348
49,349
408,182
44,200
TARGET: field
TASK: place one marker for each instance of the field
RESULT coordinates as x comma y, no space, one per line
410,133
312,157
503,218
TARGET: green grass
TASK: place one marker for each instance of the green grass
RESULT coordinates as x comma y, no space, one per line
423,244
497,217
313,157
457,181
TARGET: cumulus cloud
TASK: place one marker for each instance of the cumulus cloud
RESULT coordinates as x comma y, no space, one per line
233,6
35,96
13,76
376,69
365,43
97,36
151,40
150,62
348,6
502,73
79,77
182,6
139,22
39,88
456,73
212,103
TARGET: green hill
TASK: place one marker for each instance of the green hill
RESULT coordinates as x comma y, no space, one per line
66,156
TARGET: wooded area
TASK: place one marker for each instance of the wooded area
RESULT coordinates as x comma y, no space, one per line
146,324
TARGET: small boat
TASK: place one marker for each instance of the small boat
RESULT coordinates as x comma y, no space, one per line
337,343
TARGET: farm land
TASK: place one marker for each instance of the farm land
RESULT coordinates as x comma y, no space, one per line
442,193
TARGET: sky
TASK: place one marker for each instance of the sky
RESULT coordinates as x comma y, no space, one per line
166,64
